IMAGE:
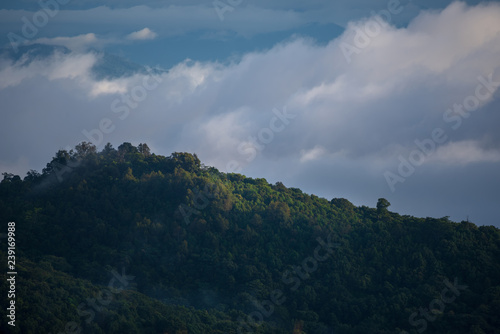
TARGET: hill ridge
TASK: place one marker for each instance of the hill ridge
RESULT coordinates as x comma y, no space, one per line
250,253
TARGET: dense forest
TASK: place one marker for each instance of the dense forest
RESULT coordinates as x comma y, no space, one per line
127,241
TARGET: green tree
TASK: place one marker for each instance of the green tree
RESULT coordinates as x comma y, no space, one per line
84,149
382,205
144,150
188,162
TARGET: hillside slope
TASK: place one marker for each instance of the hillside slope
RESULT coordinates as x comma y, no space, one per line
223,253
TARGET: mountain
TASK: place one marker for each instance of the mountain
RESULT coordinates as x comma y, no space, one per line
127,241
109,66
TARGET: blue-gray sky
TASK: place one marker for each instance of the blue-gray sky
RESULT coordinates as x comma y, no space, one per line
353,99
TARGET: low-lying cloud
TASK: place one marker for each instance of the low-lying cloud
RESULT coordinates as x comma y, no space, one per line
143,34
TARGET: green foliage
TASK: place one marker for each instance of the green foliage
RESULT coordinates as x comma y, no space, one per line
382,204
199,269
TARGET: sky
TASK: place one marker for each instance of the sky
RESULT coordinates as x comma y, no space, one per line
352,99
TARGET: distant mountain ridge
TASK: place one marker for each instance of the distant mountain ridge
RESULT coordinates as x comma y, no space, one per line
108,66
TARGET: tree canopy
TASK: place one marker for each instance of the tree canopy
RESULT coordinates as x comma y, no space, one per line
214,252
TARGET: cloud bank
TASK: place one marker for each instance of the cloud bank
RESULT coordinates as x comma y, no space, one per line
142,34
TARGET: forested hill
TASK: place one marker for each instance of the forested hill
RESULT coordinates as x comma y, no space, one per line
126,241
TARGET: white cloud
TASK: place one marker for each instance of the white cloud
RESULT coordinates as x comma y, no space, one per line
395,90
59,66
312,154
143,34
464,152
105,87
77,43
